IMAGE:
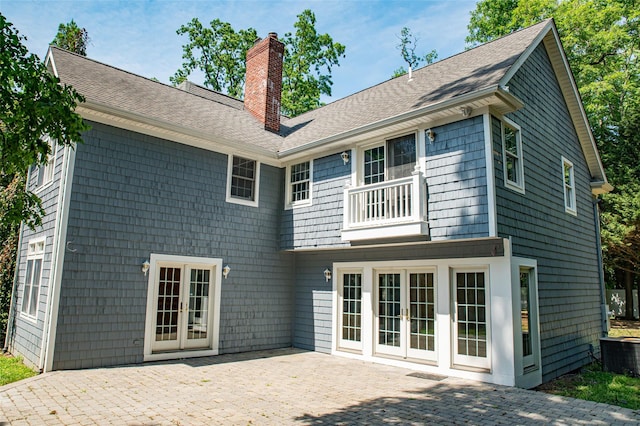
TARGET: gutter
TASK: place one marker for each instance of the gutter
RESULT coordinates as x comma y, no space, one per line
495,90
603,297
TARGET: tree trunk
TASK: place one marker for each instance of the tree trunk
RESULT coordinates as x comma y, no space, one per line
628,293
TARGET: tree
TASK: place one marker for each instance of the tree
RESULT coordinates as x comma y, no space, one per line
601,39
34,105
407,46
220,53
306,72
72,38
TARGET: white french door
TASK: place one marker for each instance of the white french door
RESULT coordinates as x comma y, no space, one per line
184,306
405,314
470,317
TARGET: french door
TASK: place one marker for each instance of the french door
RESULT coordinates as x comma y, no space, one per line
405,314
184,306
470,317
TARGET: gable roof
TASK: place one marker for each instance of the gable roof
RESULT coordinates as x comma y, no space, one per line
200,117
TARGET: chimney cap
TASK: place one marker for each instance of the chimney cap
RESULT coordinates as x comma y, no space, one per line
273,35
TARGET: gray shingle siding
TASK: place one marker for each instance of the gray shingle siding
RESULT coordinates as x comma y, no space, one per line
457,181
26,334
564,245
320,224
134,195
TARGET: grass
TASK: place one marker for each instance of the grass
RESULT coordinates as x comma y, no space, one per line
12,369
593,384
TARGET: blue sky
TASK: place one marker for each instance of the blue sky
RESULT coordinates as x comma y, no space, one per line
140,35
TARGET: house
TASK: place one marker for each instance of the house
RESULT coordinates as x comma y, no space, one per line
446,222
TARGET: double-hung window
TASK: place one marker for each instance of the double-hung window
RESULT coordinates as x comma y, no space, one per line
512,157
45,171
299,178
394,160
33,275
569,187
243,181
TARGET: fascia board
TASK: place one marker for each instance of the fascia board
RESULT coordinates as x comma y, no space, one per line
135,122
511,101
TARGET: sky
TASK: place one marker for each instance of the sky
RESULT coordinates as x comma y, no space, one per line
139,36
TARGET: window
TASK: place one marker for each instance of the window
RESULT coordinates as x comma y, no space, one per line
351,311
31,290
242,181
512,157
394,160
299,184
45,171
569,187
528,314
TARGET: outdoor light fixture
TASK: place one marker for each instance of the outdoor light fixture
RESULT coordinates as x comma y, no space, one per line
430,134
466,111
327,274
145,267
225,271
345,157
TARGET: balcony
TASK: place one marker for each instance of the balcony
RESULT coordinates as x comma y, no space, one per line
395,208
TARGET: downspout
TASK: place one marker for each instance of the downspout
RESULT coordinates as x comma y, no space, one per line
603,297
51,318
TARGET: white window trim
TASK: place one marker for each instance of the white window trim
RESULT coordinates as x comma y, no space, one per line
48,170
518,187
570,205
35,250
289,204
361,148
256,188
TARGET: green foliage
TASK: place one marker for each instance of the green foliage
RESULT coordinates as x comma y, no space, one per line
407,46
12,370
220,53
34,105
601,39
72,38
306,73
593,384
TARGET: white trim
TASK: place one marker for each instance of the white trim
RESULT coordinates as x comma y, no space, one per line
491,179
57,262
528,377
288,190
516,186
216,281
47,171
256,183
36,249
502,352
571,207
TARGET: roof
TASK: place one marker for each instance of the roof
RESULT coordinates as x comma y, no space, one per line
193,114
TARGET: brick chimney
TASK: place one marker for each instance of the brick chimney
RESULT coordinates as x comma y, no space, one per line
263,83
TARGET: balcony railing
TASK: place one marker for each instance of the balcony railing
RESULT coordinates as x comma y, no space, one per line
386,209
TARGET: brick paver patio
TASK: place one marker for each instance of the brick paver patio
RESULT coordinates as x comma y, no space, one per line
279,387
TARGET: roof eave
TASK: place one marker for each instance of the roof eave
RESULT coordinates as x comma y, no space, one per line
500,96
110,115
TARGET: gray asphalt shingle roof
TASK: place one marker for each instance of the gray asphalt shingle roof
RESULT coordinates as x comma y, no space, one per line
219,116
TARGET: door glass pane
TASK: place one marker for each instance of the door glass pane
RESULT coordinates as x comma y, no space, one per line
472,326
374,165
402,156
168,304
525,317
422,311
351,306
198,304
389,309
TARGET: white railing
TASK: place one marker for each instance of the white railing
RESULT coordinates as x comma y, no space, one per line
385,203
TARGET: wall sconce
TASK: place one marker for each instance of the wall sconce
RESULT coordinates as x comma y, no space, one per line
430,134
225,271
345,157
145,267
466,111
327,274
